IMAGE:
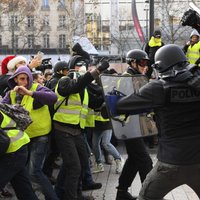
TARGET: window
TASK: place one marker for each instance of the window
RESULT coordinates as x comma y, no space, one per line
30,20
15,41
62,21
46,20
30,41
45,3
62,41
46,41
14,20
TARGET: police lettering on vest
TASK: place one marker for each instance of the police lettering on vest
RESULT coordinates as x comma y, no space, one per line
184,95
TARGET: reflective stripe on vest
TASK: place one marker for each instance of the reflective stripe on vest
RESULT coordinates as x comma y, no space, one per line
17,138
73,111
193,53
41,118
90,120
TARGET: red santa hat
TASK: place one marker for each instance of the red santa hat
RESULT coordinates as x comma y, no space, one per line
12,63
4,69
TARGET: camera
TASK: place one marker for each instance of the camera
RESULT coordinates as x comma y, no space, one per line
191,18
46,64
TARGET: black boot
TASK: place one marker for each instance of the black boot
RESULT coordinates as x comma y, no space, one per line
124,195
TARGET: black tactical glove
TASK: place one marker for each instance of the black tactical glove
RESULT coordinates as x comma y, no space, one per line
192,19
78,50
103,66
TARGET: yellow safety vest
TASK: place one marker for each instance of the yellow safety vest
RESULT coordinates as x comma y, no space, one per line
193,53
90,119
100,118
17,137
73,111
41,118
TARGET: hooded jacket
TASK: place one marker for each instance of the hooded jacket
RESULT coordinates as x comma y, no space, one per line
36,104
42,95
192,51
194,32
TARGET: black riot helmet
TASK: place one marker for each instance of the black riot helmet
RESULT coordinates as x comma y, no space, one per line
136,55
60,66
79,61
169,56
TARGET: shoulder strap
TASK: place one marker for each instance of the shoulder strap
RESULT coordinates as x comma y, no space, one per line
61,104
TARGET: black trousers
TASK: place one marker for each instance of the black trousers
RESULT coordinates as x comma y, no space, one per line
13,169
75,161
138,161
165,177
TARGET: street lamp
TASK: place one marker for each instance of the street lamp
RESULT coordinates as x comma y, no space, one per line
146,8
151,17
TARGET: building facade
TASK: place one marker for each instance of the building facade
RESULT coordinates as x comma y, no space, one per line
27,26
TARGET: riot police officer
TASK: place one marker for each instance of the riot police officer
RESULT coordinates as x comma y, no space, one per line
177,115
138,158
60,69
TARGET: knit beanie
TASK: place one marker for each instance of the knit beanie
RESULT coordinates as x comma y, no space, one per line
12,63
4,63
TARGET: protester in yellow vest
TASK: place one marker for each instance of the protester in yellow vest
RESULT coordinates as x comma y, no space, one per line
69,122
13,162
35,98
151,47
192,48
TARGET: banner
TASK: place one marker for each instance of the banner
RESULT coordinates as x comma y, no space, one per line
136,22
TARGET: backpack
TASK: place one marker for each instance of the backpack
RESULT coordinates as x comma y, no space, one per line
17,113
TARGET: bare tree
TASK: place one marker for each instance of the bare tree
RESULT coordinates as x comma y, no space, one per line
170,13
22,18
76,20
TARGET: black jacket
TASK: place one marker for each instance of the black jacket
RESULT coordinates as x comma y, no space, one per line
4,85
151,51
51,84
177,109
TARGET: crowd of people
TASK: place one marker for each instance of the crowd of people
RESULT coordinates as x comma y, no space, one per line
65,95
64,106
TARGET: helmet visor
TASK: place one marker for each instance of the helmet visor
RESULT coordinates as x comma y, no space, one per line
80,64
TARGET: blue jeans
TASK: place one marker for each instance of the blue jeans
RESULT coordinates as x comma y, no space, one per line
37,152
13,170
103,137
165,177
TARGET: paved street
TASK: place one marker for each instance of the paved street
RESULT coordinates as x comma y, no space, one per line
110,180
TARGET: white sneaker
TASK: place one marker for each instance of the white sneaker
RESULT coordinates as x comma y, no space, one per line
119,166
98,168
